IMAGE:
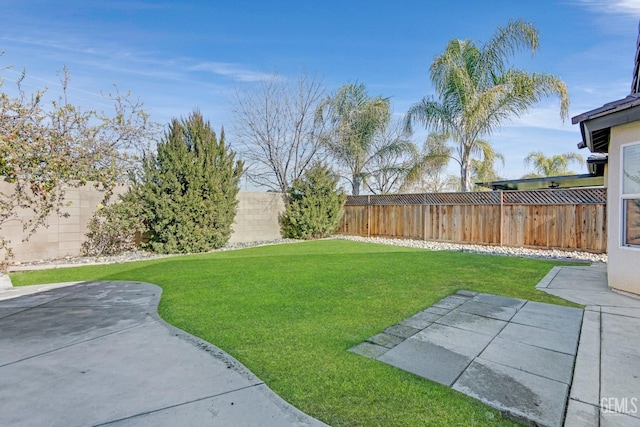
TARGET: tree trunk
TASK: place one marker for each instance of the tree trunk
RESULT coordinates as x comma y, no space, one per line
355,185
465,171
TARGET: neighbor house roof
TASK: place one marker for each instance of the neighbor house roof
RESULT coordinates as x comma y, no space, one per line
595,125
568,181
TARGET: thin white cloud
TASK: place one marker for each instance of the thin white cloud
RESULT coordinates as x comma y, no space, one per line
618,7
234,71
543,117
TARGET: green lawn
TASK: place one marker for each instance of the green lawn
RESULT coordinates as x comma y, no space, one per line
290,312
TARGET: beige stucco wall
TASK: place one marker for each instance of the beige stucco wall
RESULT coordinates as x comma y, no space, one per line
257,219
622,261
63,236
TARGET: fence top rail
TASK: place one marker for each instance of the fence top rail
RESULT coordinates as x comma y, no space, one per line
581,196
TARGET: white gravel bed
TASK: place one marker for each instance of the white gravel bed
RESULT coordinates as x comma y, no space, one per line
126,257
479,249
434,246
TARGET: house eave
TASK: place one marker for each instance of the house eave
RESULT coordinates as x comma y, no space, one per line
595,125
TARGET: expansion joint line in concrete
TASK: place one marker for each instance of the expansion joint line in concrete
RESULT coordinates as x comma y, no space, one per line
178,405
143,323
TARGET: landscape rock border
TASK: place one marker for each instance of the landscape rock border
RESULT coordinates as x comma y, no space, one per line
552,254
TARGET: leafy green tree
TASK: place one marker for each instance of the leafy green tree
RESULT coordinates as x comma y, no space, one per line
556,165
313,205
188,189
115,228
478,91
353,119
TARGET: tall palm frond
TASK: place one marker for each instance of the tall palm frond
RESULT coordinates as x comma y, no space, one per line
478,93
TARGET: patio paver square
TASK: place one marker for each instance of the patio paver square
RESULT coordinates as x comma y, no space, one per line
488,310
524,395
472,322
564,342
535,360
427,360
467,343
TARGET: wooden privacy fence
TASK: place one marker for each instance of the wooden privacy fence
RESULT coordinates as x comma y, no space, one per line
567,219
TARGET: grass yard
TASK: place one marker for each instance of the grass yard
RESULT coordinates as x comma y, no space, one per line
290,312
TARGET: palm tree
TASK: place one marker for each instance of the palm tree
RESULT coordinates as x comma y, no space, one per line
484,170
478,92
354,119
556,165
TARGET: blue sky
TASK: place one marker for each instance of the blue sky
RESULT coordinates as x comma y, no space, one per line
180,55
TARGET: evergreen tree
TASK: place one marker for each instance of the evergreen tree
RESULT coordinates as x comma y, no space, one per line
314,205
189,188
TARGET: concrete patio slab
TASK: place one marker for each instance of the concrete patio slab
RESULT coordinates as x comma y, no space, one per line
606,382
421,320
606,298
561,341
614,419
580,278
488,310
40,329
472,322
369,350
4,312
458,340
98,353
237,409
547,319
581,414
523,370
451,302
586,379
535,360
402,331
385,340
437,310
500,301
620,362
529,397
427,360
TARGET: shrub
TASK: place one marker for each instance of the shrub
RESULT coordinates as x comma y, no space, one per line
313,205
115,228
188,189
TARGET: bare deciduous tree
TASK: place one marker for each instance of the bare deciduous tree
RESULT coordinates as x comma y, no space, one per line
275,130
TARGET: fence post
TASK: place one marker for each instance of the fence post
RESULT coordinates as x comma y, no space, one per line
369,216
501,216
424,217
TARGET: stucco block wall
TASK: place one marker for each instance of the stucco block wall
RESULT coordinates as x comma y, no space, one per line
622,261
257,217
64,235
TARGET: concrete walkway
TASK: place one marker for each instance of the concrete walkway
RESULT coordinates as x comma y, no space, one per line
606,384
539,363
514,355
97,353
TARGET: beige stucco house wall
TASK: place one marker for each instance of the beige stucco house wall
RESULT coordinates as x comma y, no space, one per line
614,129
624,260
